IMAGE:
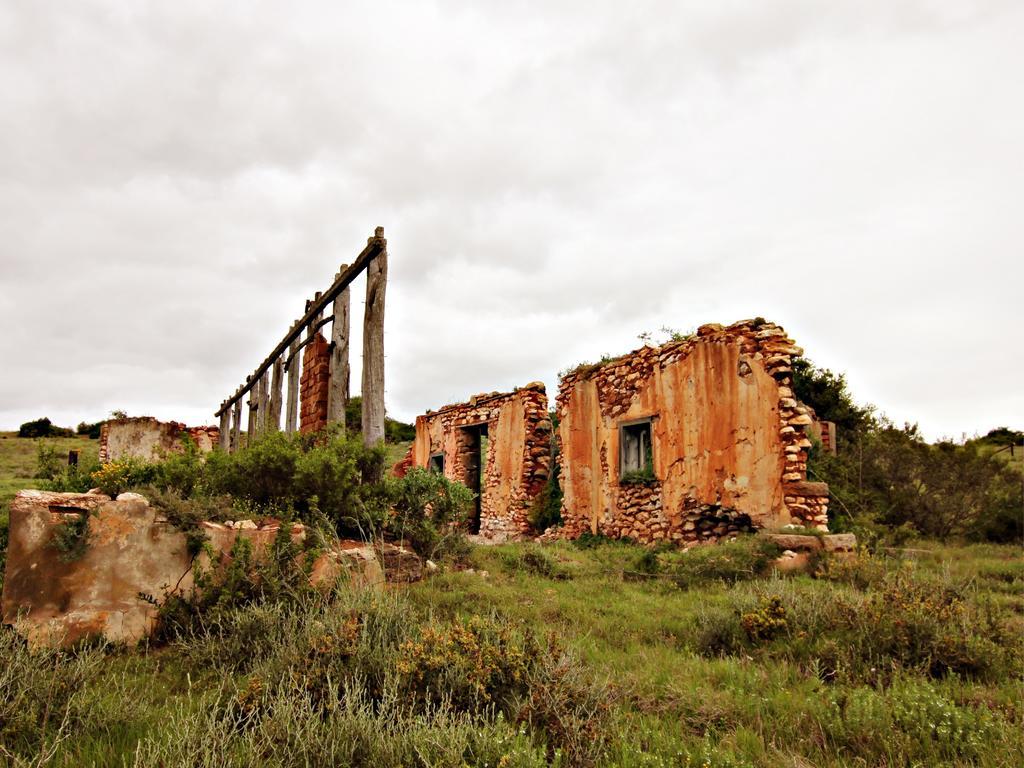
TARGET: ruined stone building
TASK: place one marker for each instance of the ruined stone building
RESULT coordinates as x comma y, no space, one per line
145,438
691,441
499,446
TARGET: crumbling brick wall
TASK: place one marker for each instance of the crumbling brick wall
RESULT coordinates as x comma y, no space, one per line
728,444
146,438
314,385
518,456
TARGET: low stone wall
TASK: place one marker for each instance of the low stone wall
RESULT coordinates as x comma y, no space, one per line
727,439
518,456
146,438
133,559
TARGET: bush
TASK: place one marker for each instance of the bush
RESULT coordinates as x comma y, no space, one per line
533,559
71,536
38,694
116,477
92,431
746,558
427,509
43,428
49,461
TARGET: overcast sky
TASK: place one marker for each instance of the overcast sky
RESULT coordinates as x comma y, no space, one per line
554,178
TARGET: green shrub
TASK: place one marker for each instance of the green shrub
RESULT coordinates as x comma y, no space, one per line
910,723
767,622
39,694
426,509
92,431
43,428
746,558
534,560
116,477
49,462
71,536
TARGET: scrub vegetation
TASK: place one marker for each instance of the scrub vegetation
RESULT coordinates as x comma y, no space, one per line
523,655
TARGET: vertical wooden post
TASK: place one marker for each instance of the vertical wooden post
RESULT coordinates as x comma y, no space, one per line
337,392
236,426
250,433
225,427
373,345
276,396
291,419
263,415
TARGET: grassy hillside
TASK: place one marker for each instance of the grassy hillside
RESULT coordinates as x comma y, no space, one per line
559,655
18,461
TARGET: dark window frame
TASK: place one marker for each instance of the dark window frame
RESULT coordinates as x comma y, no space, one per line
644,460
436,463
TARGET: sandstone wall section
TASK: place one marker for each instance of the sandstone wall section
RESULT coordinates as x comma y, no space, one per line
148,439
728,439
518,457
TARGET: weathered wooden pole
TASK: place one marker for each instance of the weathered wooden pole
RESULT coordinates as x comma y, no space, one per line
236,426
291,419
276,396
338,389
263,415
225,428
250,433
373,344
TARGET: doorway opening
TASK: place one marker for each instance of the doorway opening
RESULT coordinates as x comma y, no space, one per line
475,444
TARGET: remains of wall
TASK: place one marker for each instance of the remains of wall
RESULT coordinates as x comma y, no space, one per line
132,560
728,442
314,385
145,438
825,432
518,455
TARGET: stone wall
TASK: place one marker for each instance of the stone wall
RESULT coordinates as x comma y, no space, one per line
145,438
314,385
729,448
133,559
518,455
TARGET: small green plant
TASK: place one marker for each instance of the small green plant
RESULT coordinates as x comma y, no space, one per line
116,477
767,622
71,536
746,558
49,463
639,477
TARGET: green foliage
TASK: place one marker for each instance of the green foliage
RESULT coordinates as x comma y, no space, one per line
92,431
49,461
71,536
546,509
1003,436
767,622
116,477
42,428
746,558
639,477
40,696
459,670
828,394
890,476
427,509
535,560
394,431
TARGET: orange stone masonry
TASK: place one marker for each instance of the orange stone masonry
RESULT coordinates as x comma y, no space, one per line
728,441
314,385
518,456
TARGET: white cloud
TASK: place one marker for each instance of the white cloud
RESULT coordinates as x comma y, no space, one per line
553,178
